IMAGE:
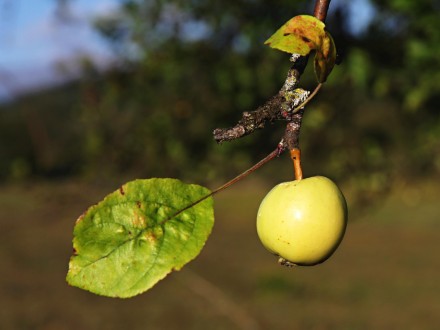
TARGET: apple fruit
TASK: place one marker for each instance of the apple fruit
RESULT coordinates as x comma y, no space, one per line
303,221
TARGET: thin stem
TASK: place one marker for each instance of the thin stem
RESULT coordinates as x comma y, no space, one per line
255,167
280,149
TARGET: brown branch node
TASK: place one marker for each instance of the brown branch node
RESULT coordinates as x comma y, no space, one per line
278,108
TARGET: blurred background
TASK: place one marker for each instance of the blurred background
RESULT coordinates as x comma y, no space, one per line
96,93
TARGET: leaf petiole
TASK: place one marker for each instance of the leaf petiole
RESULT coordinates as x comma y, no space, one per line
275,153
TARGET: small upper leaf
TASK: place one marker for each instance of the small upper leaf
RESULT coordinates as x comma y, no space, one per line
299,35
137,235
302,34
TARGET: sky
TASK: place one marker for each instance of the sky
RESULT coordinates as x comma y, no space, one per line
33,39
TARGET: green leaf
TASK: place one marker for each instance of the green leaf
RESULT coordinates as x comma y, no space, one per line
301,35
137,235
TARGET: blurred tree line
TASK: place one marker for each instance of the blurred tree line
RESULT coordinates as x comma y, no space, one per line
187,67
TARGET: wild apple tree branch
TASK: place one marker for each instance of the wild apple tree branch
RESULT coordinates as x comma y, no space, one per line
282,106
321,9
286,105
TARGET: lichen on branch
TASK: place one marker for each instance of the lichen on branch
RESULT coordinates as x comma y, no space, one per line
281,107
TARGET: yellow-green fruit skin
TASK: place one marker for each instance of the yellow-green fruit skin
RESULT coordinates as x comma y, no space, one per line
303,221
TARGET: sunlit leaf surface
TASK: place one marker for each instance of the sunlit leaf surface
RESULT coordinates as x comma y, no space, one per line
137,235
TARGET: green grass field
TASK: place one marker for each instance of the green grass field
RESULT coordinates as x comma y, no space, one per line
385,275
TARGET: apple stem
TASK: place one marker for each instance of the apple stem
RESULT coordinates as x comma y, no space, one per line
295,154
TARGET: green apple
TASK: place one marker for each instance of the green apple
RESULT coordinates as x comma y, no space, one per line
303,221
